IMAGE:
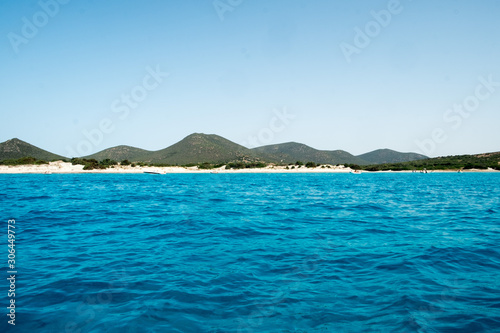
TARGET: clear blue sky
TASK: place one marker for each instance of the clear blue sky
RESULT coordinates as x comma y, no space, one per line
231,68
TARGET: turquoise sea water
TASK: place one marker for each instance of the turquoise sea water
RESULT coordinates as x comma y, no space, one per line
254,252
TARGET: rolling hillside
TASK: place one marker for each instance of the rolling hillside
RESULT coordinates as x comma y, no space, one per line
200,148
457,162
292,152
14,149
210,148
381,156
120,153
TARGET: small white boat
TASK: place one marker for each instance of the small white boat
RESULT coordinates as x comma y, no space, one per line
153,172
356,172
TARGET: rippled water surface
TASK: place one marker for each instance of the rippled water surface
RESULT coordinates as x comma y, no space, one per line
254,252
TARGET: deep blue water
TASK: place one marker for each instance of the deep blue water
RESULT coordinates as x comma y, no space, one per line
254,252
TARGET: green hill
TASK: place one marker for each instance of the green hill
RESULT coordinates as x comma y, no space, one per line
292,152
15,149
381,156
193,149
203,148
120,153
478,161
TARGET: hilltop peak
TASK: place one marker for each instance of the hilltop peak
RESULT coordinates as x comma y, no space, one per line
16,140
201,136
290,152
16,148
201,147
386,155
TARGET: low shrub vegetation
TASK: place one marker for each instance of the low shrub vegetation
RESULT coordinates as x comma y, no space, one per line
91,164
24,161
242,165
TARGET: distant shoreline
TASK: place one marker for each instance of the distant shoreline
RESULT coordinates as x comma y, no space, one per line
60,167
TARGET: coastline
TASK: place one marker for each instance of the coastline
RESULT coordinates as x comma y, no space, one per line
59,167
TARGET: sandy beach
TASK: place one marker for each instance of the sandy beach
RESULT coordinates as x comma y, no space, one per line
66,167
60,167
